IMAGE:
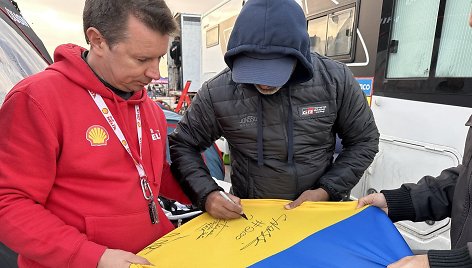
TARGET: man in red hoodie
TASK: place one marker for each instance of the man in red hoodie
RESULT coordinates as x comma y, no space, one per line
83,146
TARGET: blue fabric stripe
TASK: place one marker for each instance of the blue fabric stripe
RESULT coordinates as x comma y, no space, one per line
367,239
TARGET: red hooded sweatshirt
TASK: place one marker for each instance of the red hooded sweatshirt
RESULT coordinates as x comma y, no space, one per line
68,188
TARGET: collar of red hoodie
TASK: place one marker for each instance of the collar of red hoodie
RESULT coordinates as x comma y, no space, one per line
68,61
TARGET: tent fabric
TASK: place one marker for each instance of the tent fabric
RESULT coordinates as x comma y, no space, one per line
316,234
10,14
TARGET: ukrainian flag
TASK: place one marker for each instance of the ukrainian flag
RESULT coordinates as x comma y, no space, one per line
316,234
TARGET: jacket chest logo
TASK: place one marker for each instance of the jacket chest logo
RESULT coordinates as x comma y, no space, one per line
97,135
311,110
155,134
248,121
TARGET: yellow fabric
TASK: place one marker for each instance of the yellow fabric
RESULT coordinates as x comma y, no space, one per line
208,242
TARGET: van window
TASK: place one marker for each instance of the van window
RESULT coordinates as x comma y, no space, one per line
212,36
412,38
17,59
455,51
339,33
317,31
331,35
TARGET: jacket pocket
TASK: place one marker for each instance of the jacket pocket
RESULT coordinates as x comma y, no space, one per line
130,232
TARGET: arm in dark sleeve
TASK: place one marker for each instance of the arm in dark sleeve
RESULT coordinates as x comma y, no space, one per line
196,131
429,199
461,257
356,127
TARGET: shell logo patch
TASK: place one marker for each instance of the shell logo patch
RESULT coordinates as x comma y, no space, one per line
97,135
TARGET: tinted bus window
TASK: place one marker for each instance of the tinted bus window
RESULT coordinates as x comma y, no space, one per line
455,50
412,40
17,59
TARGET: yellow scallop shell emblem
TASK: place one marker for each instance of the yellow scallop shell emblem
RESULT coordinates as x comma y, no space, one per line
97,135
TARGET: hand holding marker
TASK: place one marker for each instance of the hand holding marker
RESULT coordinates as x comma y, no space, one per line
225,196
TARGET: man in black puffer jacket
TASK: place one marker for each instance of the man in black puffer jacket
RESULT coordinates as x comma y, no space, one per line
280,108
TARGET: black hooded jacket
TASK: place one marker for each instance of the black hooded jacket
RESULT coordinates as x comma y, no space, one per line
293,131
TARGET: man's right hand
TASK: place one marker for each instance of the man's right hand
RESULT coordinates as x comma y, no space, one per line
377,200
115,258
220,208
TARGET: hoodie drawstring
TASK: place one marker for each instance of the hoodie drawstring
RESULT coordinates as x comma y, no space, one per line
260,146
290,129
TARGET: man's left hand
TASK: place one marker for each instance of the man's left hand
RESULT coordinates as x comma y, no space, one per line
417,261
309,195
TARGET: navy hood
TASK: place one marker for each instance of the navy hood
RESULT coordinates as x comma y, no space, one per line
272,26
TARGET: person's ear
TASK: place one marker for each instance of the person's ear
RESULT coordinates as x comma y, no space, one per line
97,43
